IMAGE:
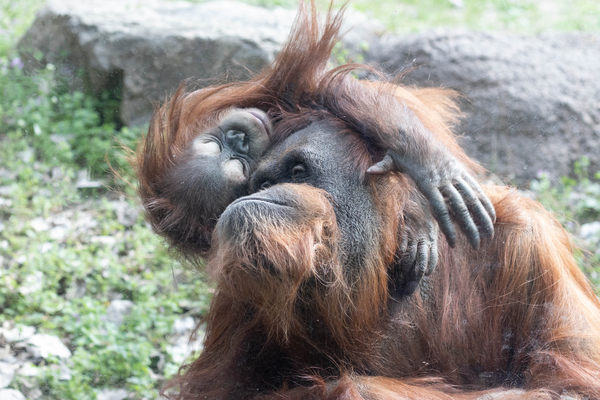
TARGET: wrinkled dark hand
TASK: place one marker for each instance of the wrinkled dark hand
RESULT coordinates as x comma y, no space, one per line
450,190
418,255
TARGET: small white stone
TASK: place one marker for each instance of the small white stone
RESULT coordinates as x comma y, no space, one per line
21,259
183,325
590,230
105,240
39,225
118,310
28,369
111,394
84,182
56,138
126,214
58,233
183,348
44,345
45,247
32,283
34,394
18,333
27,156
11,394
65,373
7,373
57,173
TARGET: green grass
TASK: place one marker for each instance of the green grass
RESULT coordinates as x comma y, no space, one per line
48,136
519,16
108,257
60,277
15,18
575,201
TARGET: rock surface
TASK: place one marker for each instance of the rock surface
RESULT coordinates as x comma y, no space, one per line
20,346
117,310
18,333
44,345
7,373
533,103
150,46
183,345
11,394
109,394
590,230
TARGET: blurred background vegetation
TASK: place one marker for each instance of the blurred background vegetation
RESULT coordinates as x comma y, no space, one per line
44,178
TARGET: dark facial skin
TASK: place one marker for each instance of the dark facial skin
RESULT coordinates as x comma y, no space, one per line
315,156
220,161
310,156
230,150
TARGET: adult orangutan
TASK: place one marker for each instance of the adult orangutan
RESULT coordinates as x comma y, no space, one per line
314,278
171,165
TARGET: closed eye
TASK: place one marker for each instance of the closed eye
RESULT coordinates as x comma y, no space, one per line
245,165
207,145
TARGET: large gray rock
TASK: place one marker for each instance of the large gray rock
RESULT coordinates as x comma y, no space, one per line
533,102
150,46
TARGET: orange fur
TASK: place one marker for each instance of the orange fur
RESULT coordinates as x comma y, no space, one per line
289,321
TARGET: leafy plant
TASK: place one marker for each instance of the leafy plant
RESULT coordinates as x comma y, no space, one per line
65,255
575,202
62,127
575,198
